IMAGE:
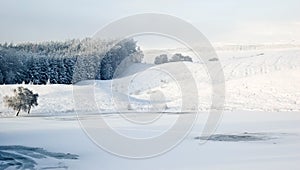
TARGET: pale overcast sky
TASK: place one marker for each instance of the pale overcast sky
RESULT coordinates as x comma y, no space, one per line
245,21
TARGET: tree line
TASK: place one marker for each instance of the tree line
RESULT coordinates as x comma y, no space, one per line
65,62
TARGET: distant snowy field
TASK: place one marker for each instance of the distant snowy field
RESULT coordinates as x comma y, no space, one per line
265,80
260,128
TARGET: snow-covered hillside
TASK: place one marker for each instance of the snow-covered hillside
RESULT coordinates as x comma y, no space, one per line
264,80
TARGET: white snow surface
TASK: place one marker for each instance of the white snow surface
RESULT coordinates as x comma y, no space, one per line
265,80
260,128
63,134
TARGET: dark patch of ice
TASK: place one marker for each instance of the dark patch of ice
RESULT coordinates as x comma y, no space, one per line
244,137
23,157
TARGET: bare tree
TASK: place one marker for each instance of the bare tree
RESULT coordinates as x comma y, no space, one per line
23,99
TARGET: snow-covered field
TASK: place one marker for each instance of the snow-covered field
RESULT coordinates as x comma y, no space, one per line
253,77
260,128
271,142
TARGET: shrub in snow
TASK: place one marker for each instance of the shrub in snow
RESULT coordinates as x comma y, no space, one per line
213,59
23,99
161,59
165,107
129,107
179,57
